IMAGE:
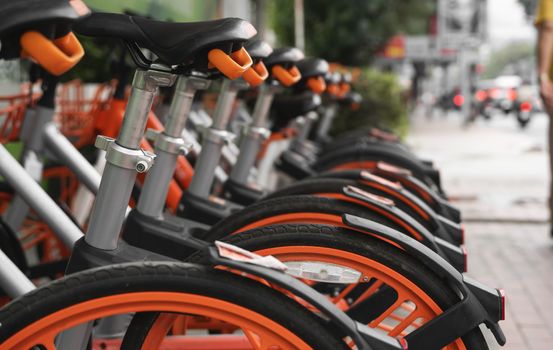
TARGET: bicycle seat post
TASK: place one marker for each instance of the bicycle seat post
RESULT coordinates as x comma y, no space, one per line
256,134
168,145
124,159
306,124
215,138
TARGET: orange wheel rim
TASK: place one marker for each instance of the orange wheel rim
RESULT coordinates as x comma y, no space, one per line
424,308
262,332
355,165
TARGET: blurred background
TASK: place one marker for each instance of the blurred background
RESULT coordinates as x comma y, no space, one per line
456,79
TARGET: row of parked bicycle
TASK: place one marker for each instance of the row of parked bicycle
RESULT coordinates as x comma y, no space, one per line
353,246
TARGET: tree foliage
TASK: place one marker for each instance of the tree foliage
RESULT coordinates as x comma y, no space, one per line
507,55
350,32
383,104
529,6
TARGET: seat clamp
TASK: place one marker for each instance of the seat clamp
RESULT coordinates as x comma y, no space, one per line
136,159
258,133
219,136
150,80
168,144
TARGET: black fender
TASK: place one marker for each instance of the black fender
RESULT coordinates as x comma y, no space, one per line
454,254
86,257
412,184
377,152
436,221
369,178
477,303
364,337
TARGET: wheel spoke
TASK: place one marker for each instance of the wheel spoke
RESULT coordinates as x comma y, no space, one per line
344,293
370,291
386,313
407,321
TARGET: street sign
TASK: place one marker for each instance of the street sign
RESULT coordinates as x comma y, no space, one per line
419,47
461,23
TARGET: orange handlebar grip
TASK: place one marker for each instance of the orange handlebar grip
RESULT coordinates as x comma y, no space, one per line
57,56
256,74
286,77
233,65
317,85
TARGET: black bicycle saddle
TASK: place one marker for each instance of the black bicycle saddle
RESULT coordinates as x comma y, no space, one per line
312,67
284,56
174,43
333,78
258,49
287,107
22,14
51,17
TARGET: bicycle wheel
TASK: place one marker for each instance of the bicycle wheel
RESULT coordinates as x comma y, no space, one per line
336,185
361,157
267,318
405,294
298,209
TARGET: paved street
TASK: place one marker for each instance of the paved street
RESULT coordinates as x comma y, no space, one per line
497,174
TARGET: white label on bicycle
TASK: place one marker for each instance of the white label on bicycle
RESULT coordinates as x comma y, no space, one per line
235,253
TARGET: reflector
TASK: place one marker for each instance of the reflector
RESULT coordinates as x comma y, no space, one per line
322,272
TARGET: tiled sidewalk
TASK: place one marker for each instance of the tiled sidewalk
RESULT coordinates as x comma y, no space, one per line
519,259
498,177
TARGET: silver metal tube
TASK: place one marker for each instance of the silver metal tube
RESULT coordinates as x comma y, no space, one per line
262,106
223,109
178,113
13,281
326,122
181,105
18,209
154,192
304,131
168,147
204,171
132,129
249,147
39,200
71,157
117,182
109,208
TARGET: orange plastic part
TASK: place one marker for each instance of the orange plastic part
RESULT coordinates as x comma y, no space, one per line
316,84
333,89
286,77
413,306
57,56
344,88
233,65
257,327
256,74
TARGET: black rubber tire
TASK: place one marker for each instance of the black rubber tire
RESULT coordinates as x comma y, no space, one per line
291,204
354,174
166,277
363,245
335,185
362,140
333,159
